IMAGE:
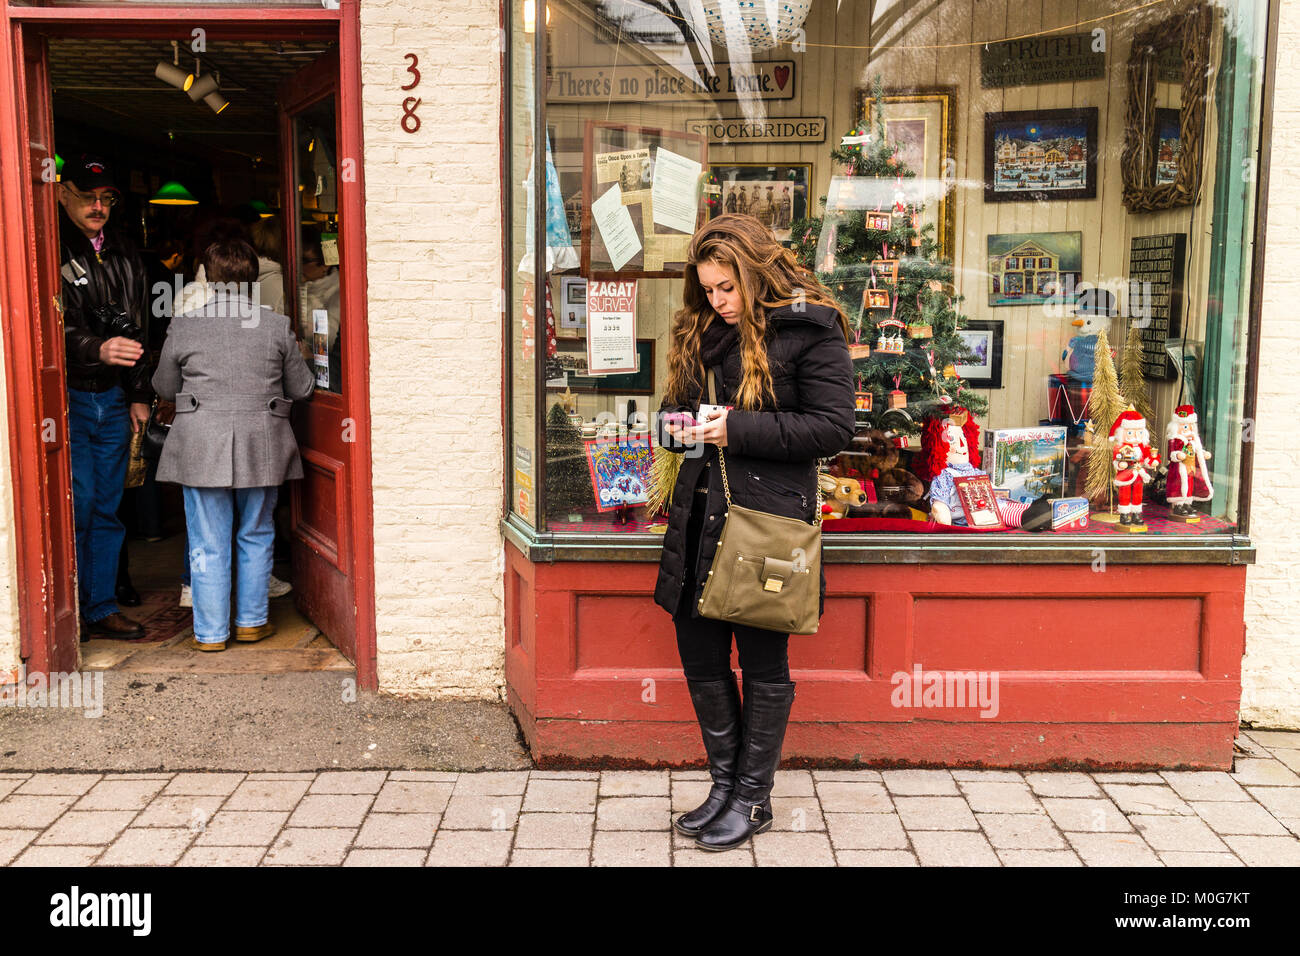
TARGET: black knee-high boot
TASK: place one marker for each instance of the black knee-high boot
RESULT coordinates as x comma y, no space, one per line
717,708
749,809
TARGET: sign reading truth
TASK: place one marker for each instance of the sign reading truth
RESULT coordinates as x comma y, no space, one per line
764,80
1155,265
1049,59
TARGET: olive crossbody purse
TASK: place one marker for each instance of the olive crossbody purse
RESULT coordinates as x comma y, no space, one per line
766,571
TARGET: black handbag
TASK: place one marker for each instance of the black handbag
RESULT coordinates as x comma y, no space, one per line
155,433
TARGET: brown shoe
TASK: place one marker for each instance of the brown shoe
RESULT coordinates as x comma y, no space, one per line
196,644
247,635
116,624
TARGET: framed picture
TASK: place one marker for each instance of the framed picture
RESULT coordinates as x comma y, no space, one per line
776,195
920,125
640,382
983,339
573,308
1030,268
624,234
1040,155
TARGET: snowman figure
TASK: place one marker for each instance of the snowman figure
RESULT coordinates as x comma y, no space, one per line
1095,309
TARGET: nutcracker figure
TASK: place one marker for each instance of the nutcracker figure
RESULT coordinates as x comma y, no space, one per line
1134,463
1189,477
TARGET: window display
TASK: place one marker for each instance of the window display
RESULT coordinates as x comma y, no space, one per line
1023,236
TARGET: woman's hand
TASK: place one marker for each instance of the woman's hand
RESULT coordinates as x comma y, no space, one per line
714,431
677,433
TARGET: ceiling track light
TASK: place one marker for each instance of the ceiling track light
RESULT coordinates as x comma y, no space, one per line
203,86
216,101
171,73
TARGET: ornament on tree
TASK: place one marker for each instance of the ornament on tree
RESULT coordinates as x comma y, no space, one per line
880,221
1132,458
890,341
1188,479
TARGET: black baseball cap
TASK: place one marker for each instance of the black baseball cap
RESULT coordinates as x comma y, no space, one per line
88,171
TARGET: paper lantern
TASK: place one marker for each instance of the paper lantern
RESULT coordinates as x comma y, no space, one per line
766,22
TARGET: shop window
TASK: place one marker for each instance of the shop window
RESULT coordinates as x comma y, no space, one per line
1032,223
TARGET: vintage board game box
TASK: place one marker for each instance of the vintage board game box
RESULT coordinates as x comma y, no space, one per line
1028,463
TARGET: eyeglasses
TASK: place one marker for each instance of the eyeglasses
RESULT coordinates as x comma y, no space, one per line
107,200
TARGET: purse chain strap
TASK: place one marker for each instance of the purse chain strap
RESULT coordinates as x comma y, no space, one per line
722,464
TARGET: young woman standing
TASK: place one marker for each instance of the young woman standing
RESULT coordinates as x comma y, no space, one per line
777,343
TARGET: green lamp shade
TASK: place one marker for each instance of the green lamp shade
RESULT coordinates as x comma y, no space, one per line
172,193
58,166
261,208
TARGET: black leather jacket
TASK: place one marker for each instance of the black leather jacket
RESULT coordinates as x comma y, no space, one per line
115,275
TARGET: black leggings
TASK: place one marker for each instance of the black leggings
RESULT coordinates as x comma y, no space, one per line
705,644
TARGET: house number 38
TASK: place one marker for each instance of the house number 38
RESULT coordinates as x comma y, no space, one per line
411,122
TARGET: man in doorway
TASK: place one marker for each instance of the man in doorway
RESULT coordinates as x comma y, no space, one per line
105,321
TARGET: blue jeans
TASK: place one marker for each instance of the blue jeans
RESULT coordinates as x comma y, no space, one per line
211,516
99,438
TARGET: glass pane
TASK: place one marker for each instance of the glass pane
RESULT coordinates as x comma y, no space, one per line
319,299
1007,227
521,270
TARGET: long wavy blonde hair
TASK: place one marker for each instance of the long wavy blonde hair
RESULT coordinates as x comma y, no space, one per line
768,276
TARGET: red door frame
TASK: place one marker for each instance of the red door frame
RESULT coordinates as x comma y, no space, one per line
16,290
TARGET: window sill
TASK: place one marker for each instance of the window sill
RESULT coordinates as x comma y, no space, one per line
1229,549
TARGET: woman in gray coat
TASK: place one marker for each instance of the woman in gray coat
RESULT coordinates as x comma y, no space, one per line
233,369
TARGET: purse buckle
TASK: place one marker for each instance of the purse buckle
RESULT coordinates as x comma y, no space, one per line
773,584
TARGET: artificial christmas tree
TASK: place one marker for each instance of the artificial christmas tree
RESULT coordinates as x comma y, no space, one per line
886,272
1132,383
568,479
1104,406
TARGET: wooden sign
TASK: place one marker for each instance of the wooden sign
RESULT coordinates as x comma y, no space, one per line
1155,298
738,131
1063,58
764,80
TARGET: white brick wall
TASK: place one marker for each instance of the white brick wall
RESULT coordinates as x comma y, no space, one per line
433,238
8,559
1271,668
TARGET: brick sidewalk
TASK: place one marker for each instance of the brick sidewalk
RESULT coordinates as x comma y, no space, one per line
1249,817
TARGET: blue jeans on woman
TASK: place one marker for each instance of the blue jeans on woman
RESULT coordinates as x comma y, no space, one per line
212,515
99,435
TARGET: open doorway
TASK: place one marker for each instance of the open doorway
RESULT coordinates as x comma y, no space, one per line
257,157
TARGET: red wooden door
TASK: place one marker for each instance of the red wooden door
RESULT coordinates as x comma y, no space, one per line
322,512
50,639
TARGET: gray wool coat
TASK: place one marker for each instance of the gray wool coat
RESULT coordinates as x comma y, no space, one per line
233,371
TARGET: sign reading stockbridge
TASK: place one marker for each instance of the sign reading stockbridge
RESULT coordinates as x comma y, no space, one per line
1045,59
765,80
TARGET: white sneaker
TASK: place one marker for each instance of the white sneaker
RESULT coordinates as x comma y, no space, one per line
187,596
278,588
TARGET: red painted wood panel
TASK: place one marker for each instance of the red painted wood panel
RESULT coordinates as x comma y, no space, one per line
601,681
1064,633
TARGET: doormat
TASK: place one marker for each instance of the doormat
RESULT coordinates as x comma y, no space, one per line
160,616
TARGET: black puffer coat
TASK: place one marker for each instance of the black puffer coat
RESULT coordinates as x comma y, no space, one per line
772,453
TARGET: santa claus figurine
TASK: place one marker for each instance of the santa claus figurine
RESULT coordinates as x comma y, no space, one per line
1134,463
1189,478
